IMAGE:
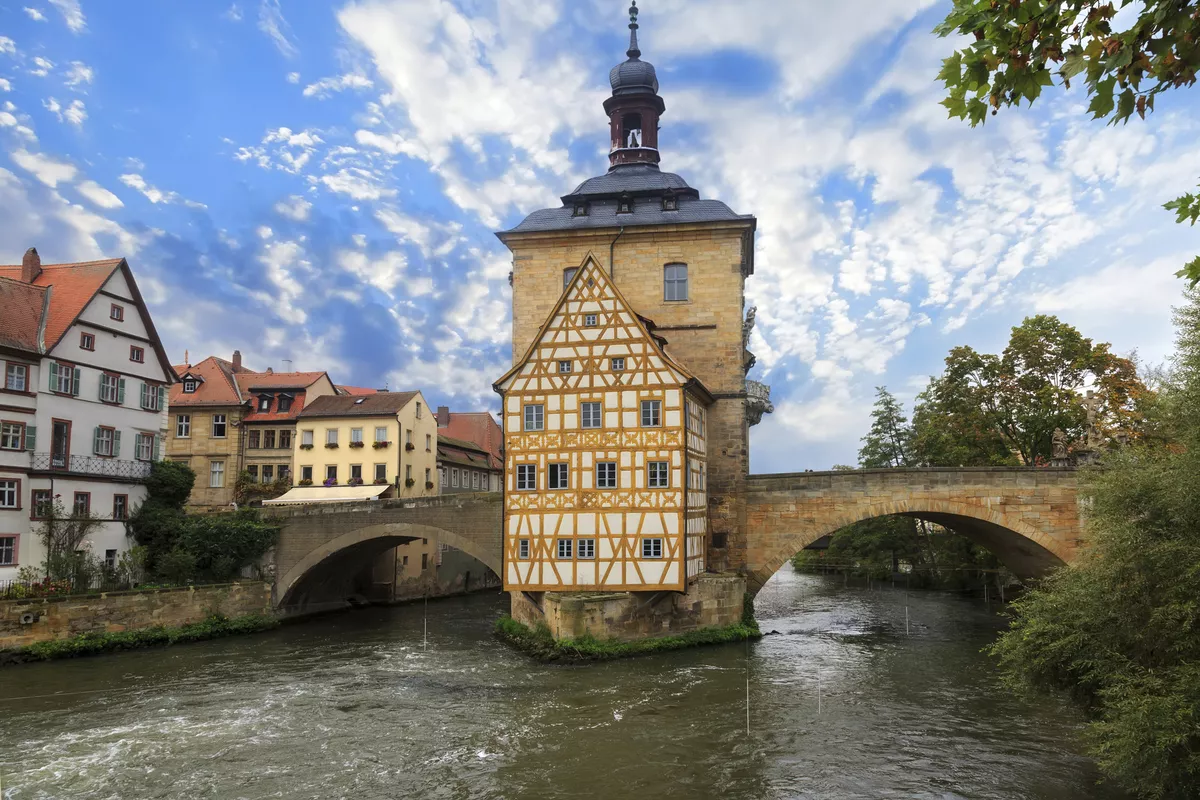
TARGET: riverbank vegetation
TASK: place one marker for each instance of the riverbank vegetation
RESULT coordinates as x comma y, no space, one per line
539,643
88,644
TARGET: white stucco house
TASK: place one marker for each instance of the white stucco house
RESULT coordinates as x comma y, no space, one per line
82,403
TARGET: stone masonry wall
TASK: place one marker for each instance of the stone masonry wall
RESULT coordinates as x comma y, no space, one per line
63,617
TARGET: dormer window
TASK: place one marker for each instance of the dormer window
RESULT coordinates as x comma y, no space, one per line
670,202
581,210
189,387
264,403
285,403
625,204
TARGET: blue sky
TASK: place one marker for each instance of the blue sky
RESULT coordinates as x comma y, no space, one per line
320,182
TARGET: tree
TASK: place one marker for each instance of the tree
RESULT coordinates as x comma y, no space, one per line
1021,44
156,523
888,442
1118,629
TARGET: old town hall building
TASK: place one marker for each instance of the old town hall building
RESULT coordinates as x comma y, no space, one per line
626,411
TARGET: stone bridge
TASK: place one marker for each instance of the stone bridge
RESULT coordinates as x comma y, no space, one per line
323,547
1028,517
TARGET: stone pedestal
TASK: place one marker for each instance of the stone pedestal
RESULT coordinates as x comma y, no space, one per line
712,601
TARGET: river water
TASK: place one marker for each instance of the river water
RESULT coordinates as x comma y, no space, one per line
354,706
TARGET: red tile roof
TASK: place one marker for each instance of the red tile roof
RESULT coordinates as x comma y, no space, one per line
355,390
478,427
371,405
249,381
217,387
24,309
74,286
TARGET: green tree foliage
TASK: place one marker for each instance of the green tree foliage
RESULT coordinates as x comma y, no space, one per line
1120,628
888,442
158,520
1019,47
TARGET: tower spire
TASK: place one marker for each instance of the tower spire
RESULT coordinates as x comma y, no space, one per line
633,51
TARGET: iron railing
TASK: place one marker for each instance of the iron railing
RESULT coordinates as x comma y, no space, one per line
90,465
62,587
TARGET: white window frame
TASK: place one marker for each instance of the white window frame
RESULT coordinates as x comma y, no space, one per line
65,375
331,436
306,438
534,417
149,397
590,320
564,367
110,388
10,496
105,441
523,548
658,475
585,549
356,435
381,433
563,549
526,477
454,476
143,448
15,373
584,415
382,477
216,475
189,387
606,471
8,552
673,285
617,364
558,476
137,354
443,477
652,547
12,436
474,480
651,414
222,421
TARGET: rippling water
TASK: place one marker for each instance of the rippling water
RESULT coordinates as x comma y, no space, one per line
354,706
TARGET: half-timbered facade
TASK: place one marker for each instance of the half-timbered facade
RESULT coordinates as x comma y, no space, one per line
605,467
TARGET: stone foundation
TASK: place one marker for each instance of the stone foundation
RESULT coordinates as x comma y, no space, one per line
713,601
63,617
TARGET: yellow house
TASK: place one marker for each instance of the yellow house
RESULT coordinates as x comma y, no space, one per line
362,446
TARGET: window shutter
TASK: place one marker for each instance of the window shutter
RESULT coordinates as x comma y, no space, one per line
75,382
157,447
121,391
96,440
100,389
143,396
30,438
116,444
161,397
53,377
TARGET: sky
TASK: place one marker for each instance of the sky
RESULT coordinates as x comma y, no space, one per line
320,183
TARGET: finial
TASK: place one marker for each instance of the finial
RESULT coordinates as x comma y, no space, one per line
633,51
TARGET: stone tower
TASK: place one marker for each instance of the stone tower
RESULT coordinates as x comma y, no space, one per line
680,260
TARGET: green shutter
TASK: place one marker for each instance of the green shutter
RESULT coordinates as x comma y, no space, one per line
75,382
100,389
96,441
121,392
157,447
30,438
162,397
53,377
116,444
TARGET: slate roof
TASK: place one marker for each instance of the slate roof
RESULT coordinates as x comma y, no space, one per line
24,311
370,405
632,178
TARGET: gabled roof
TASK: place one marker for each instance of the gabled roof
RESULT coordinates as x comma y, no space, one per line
355,390
250,382
590,269
218,387
478,428
380,404
22,325
73,286
457,451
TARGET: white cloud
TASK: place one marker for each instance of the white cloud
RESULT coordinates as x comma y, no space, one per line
272,23
153,193
98,194
78,73
35,15
43,67
294,208
44,168
328,86
74,112
5,85
293,77
359,184
72,14
233,13
8,46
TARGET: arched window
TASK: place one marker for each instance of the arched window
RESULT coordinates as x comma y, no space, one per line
675,282
631,130
568,273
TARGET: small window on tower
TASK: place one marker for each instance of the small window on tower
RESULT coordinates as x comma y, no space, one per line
564,366
670,202
625,204
568,273
581,210
589,320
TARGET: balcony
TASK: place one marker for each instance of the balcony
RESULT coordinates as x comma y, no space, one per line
117,470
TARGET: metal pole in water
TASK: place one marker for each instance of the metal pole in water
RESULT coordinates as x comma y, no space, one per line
986,601
818,693
425,635
907,631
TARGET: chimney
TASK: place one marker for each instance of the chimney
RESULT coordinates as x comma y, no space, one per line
31,265
443,416
287,365
237,360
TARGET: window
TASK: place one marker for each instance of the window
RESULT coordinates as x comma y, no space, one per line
652,548
10,494
268,473
581,210
429,443
589,320
443,478
110,559
585,548
306,474
589,415
285,440
558,476
218,426
522,548
137,354
216,474
306,438
670,202
408,473
151,397
526,477
87,341
83,504
424,560
145,447
381,472
564,548
264,403
189,387
535,418
331,435
120,506
284,473
43,503
110,388
117,312
675,282
408,436
15,377
418,410
103,442
252,471
427,475
8,551
356,472
625,204
381,434
618,365
474,480
454,475
12,436
657,476
564,366
331,473
268,440
651,413
356,436
183,426
606,474
64,379
254,440
285,403
568,273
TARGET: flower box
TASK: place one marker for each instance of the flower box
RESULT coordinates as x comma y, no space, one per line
355,482
381,482
410,483
306,481
356,445
381,445
331,483
331,446
306,447
410,447
428,485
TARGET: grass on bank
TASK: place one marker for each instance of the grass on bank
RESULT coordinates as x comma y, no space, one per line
87,644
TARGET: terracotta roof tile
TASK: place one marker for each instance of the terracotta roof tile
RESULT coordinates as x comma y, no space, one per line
74,285
217,387
23,306
356,390
370,405
478,427
249,381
